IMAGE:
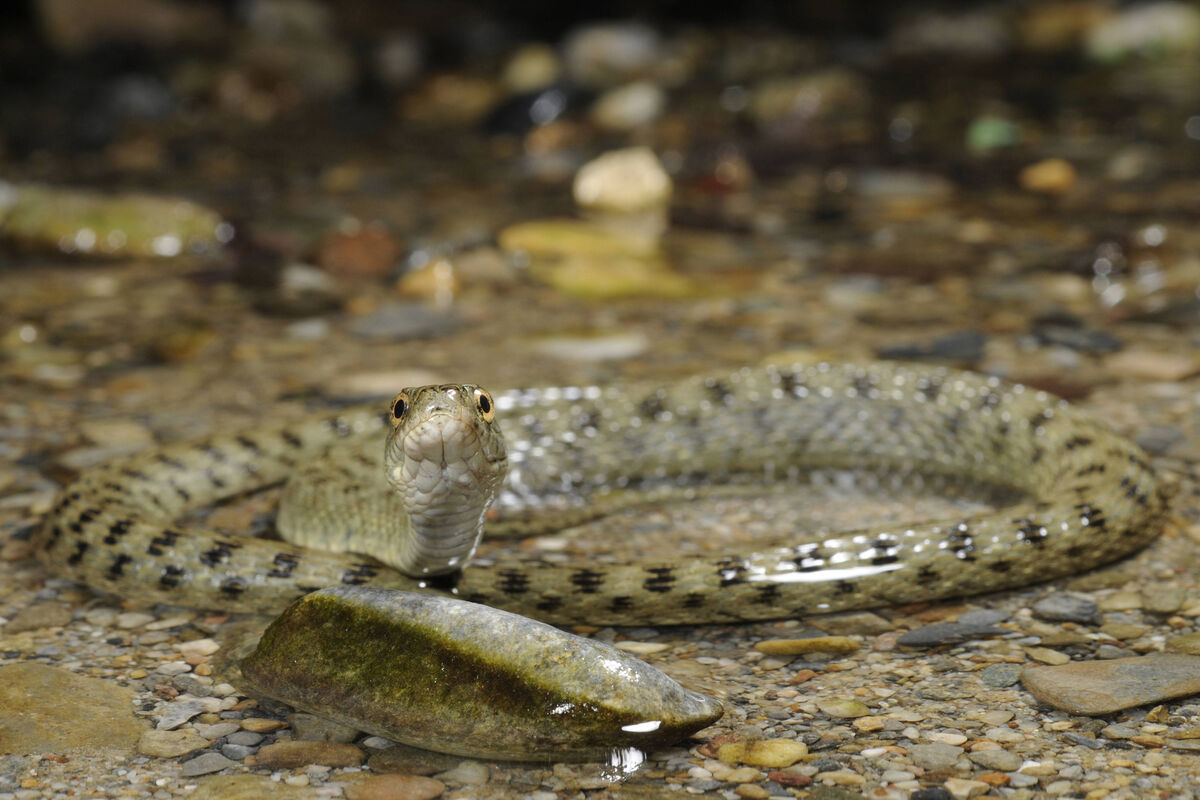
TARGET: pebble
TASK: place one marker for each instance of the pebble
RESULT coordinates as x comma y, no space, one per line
205,764
1046,655
751,791
1163,28
217,730
359,251
623,181
310,727
399,321
934,756
775,753
1063,607
293,754
45,709
1122,600
395,787
1049,176
953,632
962,789
607,53
173,668
133,619
244,738
815,644
997,759
170,744
179,712
629,107
1188,643
197,649
39,616
262,724
1000,675
642,648
236,752
533,66
1147,365
1103,687
965,347
468,773
843,709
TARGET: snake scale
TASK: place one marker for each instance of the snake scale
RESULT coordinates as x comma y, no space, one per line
1091,497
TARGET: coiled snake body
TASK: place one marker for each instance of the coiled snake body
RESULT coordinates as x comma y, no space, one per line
1092,497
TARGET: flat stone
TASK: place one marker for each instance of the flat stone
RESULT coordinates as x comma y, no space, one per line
814,644
967,627
49,710
293,754
262,725
39,616
468,773
1002,760
1163,598
843,709
962,789
395,787
204,764
935,755
179,712
236,752
776,753
244,738
1000,675
217,730
247,787
312,728
1104,687
1187,643
1063,607
170,744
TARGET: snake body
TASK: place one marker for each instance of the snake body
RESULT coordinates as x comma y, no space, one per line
1092,498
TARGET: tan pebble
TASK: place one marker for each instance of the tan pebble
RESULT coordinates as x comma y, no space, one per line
395,787
843,709
642,648
752,791
1121,601
1149,740
742,775
789,778
1060,725
436,281
138,674
1187,643
870,724
1041,770
1123,631
1102,687
623,180
954,739
133,619
296,780
1152,366
262,725
198,648
359,251
293,754
1049,176
203,669
840,777
173,621
1046,655
1158,714
996,717
994,779
802,676
961,789
815,644
170,744
763,753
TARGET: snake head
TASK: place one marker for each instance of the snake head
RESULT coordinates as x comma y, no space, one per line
445,454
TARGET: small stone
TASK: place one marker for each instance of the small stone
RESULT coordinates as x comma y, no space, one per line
839,708
861,623
966,347
399,321
961,789
293,754
870,724
642,648
244,738
1047,656
946,737
1002,760
1188,643
236,752
624,181
170,744
262,725
179,712
310,727
359,251
197,648
205,764
1049,176
996,717
133,619
935,755
774,753
395,787
217,730
173,668
468,773
1146,365
741,775
1062,607
752,791
815,644
1000,675
1104,687
629,107
1124,631
39,616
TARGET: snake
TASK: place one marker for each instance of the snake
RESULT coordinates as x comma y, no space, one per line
443,462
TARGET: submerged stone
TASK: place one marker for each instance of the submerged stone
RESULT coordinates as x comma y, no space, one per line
467,679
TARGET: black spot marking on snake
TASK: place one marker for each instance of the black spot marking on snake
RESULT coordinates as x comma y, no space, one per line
249,444
55,533
218,554
927,575
661,580
961,543
513,581
446,582
929,388
1000,566
652,407
213,452
731,572
865,385
989,399
136,474
164,540
285,564
291,439
359,574
117,530
587,581
232,587
549,604
694,600
88,514
77,556
719,390
766,593
1030,532
118,565
173,463
1078,441
1076,550
213,480
184,494
172,576
1091,469
621,602
791,384
843,587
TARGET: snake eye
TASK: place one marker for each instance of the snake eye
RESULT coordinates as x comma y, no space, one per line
399,407
487,408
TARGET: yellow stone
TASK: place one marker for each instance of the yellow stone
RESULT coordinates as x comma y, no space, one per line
560,237
815,644
775,753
